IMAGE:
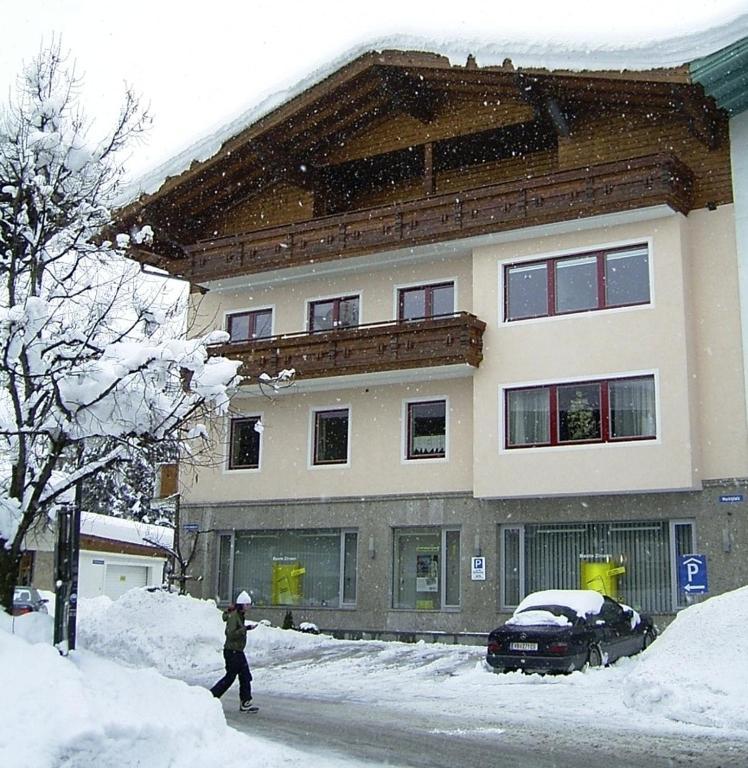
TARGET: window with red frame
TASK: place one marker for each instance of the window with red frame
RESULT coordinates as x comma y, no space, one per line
331,436
427,430
585,282
245,443
244,326
426,301
609,410
333,313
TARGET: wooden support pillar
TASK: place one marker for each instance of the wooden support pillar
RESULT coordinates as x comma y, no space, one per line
428,168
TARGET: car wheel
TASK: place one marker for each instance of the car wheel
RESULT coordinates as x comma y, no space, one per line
649,638
595,657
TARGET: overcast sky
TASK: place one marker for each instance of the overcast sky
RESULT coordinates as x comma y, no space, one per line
200,63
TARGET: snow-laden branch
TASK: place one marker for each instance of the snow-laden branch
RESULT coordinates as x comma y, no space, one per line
92,371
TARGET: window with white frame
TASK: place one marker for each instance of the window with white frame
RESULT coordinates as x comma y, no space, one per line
552,556
244,445
606,410
426,568
331,436
615,277
427,429
255,324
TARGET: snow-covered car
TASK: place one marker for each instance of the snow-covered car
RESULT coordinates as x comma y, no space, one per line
562,630
28,600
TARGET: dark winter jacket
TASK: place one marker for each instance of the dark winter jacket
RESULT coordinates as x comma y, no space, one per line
236,632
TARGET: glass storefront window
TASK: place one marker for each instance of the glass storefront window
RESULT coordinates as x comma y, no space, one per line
426,568
312,568
350,562
683,544
551,556
224,568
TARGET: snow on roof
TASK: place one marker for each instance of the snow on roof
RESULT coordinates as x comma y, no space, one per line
489,51
581,601
119,529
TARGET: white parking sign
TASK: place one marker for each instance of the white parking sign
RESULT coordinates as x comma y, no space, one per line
478,569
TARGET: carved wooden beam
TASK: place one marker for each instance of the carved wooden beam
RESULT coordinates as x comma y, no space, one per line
428,169
411,95
705,120
545,104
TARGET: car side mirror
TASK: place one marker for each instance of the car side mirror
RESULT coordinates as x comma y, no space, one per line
628,614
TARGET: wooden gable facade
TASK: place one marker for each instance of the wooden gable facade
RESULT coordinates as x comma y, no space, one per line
397,150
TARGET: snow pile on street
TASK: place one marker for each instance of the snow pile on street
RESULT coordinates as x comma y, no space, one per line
171,633
111,703
85,710
697,672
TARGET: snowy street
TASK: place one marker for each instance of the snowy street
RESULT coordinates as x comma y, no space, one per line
400,737
518,721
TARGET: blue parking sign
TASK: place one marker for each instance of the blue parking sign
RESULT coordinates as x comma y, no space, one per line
692,575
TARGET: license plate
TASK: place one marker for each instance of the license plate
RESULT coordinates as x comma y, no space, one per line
523,646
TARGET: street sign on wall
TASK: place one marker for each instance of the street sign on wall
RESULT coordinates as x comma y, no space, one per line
478,568
692,574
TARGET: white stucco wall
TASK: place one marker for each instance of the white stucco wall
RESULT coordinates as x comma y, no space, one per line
739,158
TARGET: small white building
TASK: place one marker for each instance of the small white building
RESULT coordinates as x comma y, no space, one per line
115,555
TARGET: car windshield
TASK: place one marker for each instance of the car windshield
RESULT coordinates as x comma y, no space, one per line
562,611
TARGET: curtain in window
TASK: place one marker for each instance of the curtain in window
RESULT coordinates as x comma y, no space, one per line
529,416
632,408
348,313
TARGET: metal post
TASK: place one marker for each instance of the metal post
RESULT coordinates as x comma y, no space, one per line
67,553
62,579
75,549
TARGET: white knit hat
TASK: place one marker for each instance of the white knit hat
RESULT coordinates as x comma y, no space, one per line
243,599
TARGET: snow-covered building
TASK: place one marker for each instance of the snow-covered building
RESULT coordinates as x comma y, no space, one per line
510,297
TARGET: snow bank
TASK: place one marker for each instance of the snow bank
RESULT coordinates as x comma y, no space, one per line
110,704
696,672
172,633
85,710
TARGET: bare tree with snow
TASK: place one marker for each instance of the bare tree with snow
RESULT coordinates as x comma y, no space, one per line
84,356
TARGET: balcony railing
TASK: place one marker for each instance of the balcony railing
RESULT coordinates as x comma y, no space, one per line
390,346
588,191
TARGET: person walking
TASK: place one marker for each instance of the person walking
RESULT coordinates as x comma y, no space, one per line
233,654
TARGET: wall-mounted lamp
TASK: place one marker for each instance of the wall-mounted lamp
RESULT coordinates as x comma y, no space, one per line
372,551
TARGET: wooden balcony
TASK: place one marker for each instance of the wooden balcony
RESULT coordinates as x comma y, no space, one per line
446,340
592,190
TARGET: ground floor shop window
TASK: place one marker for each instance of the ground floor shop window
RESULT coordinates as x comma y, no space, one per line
634,561
426,566
314,568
